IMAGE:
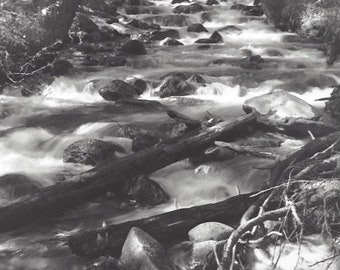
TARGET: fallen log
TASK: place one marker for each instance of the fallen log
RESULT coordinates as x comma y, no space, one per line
167,228
52,200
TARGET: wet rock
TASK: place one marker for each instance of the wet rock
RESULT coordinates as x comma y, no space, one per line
105,263
146,191
253,10
214,38
189,255
179,1
112,61
197,78
210,231
134,2
178,20
61,68
180,75
142,252
321,81
281,105
134,47
188,9
134,10
141,138
89,61
205,17
162,34
172,42
252,62
112,20
13,186
238,7
139,84
84,24
117,89
230,29
196,27
90,151
143,25
40,60
212,2
176,86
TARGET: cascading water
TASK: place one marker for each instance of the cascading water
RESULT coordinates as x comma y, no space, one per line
34,131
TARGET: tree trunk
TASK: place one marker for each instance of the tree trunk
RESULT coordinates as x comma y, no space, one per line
60,197
167,228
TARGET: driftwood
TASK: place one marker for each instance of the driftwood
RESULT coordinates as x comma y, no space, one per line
167,228
60,197
181,118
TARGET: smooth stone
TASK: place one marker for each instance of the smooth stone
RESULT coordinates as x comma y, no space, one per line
210,231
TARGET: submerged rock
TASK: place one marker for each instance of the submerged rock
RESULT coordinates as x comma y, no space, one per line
253,10
188,9
146,191
230,29
281,105
210,231
162,34
196,27
175,86
14,185
214,38
118,89
189,255
142,252
134,47
90,151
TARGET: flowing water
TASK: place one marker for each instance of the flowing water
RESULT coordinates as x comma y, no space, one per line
34,131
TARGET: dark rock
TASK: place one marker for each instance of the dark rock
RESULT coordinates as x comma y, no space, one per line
321,81
143,25
85,24
105,263
188,9
112,20
238,7
90,62
178,1
61,68
134,47
178,20
162,34
141,138
176,86
13,186
142,252
196,27
230,29
210,231
90,151
214,38
180,75
139,84
205,17
40,60
188,254
172,42
118,89
253,10
196,78
247,52
134,2
113,61
212,2
146,191
255,59
252,62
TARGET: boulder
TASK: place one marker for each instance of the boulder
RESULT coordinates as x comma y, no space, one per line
253,10
238,7
141,138
205,17
189,255
162,34
171,42
214,38
134,47
197,78
281,105
212,2
90,151
142,252
139,84
230,29
118,89
175,86
196,27
146,191
252,62
61,68
85,24
14,185
189,9
210,231
178,20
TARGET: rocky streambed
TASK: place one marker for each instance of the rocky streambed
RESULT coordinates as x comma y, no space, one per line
138,77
